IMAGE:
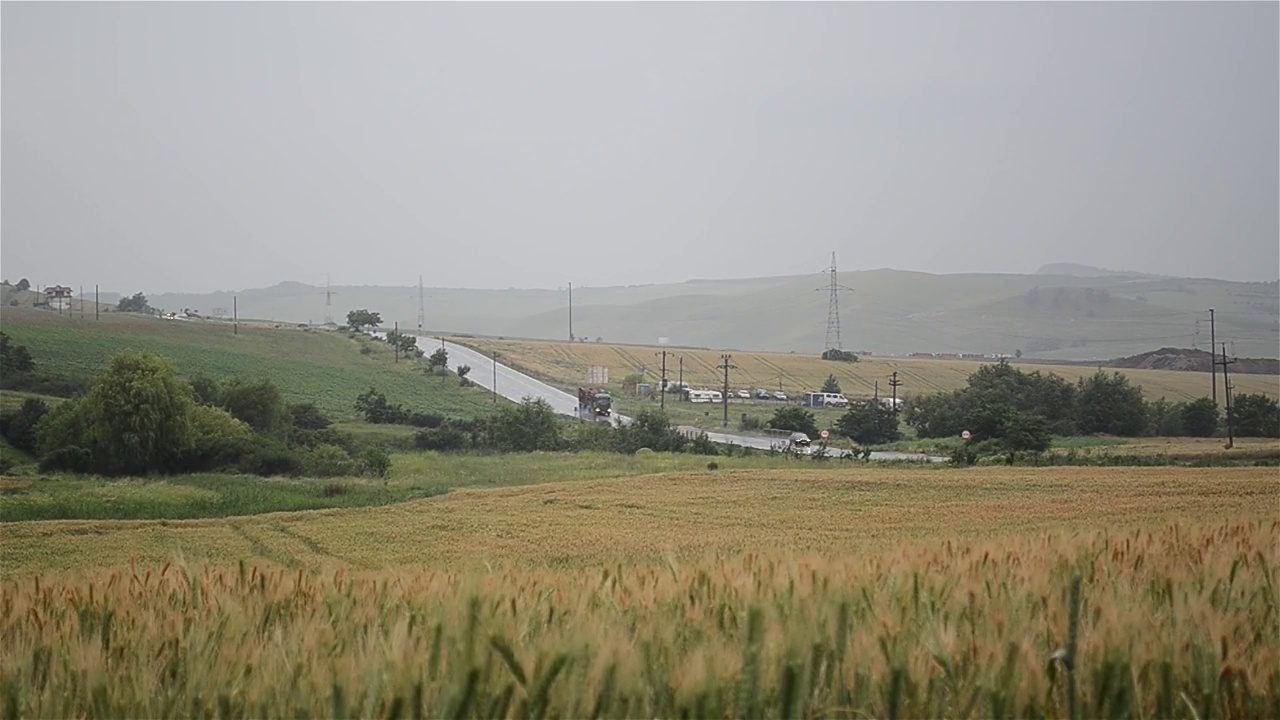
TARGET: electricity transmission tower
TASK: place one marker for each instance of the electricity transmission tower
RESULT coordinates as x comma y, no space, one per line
422,308
833,307
328,301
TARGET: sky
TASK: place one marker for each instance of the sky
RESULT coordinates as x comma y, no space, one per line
205,146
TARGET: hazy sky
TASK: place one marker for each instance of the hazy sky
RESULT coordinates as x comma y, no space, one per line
182,146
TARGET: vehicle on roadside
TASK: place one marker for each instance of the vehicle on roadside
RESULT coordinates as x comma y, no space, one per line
762,394
744,395
779,395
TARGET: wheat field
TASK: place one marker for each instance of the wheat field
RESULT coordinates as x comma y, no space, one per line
567,364
841,592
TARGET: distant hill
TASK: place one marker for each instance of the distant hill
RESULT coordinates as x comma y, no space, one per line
1194,360
1085,271
1095,317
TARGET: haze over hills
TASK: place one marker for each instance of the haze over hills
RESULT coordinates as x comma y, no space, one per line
1075,313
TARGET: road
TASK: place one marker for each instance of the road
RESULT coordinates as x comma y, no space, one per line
515,385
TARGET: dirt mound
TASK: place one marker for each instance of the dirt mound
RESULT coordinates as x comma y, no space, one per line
1193,361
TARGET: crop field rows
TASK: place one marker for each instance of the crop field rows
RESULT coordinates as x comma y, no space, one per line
566,364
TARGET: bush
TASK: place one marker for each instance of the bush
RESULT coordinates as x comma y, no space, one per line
830,385
650,429
425,420
258,403
333,490
206,390
1200,417
306,416
219,440
377,462
794,419
328,461
869,423
68,458
1255,416
531,425
597,436
19,428
270,458
702,445
445,438
750,422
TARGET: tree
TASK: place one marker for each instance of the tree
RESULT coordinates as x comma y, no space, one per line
532,425
869,423
378,410
14,358
135,304
1200,417
438,359
23,285
831,385
206,390
1018,353
135,419
650,429
20,428
937,415
1255,416
258,404
306,416
795,419
406,344
462,375
1164,419
1023,432
359,319
1109,404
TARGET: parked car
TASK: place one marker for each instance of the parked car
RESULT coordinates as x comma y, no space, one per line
779,395
744,394
762,394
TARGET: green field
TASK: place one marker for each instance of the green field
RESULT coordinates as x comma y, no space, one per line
319,366
412,477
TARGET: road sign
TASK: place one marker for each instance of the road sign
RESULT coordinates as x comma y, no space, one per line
823,434
965,434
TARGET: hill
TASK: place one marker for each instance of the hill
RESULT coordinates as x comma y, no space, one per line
1047,316
324,367
1194,360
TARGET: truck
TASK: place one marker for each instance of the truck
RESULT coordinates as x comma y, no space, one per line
594,404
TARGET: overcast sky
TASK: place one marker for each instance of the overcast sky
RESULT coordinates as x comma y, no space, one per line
182,146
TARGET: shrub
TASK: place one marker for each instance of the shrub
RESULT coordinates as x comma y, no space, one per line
794,419
531,425
306,416
1200,417
270,458
1256,416
206,390
19,428
333,490
68,458
650,429
442,439
219,440
377,462
425,420
830,385
258,403
869,423
750,422
328,461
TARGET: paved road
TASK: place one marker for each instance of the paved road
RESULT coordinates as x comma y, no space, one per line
515,385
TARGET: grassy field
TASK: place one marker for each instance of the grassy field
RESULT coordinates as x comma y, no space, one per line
323,367
566,364
412,477
744,593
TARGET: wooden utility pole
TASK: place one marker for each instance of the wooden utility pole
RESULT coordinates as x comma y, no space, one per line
1213,363
395,341
681,359
495,377
95,302
235,315
1226,393
894,382
726,365
570,312
662,384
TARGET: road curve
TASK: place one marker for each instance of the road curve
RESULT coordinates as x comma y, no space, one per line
516,386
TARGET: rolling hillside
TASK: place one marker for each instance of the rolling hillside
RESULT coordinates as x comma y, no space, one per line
323,367
1080,316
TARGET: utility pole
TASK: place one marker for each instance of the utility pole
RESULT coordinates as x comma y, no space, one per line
95,302
1226,393
662,385
422,308
726,365
395,341
81,302
894,382
1213,364
570,312
876,395
681,358
495,377
235,316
